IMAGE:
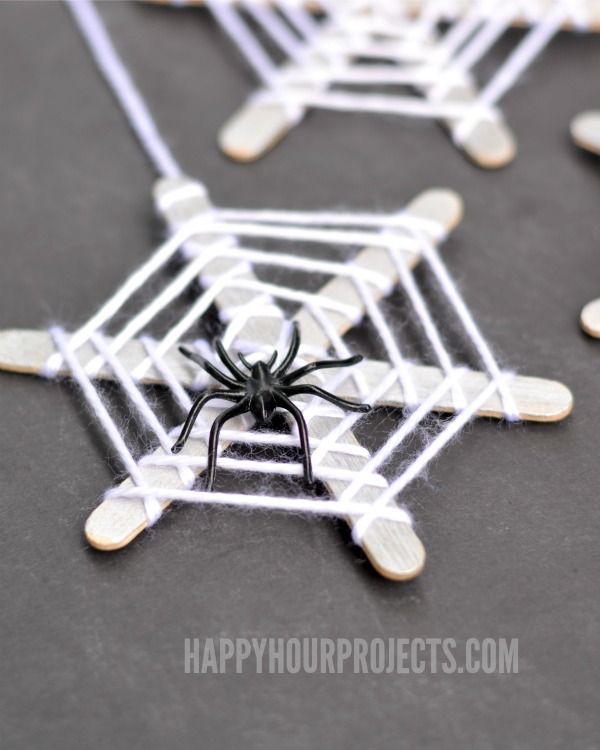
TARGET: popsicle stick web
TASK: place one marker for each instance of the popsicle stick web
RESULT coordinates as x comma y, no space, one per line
257,270
585,131
378,57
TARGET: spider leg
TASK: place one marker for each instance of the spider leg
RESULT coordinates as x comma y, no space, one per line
291,352
213,440
195,410
322,364
209,368
272,359
244,361
284,402
228,362
314,390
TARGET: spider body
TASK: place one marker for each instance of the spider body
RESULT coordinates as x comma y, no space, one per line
260,390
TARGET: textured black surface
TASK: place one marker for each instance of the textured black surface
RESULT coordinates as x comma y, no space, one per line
92,644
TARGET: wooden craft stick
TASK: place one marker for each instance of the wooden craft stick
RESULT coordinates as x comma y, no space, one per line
585,131
489,143
537,399
590,318
255,128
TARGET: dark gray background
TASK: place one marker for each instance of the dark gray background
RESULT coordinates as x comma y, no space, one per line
92,643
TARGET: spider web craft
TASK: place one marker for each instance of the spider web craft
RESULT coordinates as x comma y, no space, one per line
380,57
330,272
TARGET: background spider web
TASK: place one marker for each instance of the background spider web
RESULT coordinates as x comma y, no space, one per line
389,58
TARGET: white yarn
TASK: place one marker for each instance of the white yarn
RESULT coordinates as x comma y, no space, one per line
379,104
306,506
330,218
429,327
200,306
306,298
235,27
151,504
530,47
120,81
345,425
396,439
295,262
138,400
376,75
303,233
162,368
131,285
299,19
452,294
462,30
173,290
317,310
482,42
517,62
418,465
281,468
217,236
389,342
260,439
277,30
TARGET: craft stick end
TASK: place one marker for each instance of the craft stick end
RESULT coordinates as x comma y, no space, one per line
24,351
115,523
253,130
590,318
585,131
442,205
394,550
491,145
565,402
541,400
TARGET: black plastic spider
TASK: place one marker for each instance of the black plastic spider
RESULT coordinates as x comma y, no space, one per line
261,392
